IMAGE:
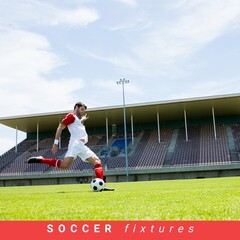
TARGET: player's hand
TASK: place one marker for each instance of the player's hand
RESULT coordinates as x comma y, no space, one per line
54,149
84,117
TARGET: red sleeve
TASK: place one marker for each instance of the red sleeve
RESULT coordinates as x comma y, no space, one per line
68,119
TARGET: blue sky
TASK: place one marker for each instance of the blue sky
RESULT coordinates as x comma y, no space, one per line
54,53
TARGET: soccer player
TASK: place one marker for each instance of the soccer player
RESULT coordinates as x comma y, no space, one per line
76,147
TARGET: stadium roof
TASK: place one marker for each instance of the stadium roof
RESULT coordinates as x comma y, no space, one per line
196,108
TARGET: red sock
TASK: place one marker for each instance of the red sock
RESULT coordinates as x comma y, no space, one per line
51,162
98,171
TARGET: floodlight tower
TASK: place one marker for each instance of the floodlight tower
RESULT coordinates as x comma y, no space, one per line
123,82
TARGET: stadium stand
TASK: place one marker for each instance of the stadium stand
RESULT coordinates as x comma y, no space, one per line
187,152
213,150
201,149
236,135
154,152
198,138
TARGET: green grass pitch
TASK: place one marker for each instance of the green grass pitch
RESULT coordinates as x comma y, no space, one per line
199,199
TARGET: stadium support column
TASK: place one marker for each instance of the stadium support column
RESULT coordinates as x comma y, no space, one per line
16,139
123,82
158,126
185,121
132,129
107,130
37,137
214,123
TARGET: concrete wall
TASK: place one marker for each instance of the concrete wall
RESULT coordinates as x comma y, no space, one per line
120,176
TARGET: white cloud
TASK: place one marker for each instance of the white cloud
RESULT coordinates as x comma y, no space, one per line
121,60
37,12
79,17
195,27
24,53
131,3
26,61
136,25
161,45
208,88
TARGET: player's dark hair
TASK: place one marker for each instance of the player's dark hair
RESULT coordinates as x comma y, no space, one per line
80,104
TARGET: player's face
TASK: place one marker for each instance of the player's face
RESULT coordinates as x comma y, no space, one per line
81,110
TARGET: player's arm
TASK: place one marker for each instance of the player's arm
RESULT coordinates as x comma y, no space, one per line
69,119
57,137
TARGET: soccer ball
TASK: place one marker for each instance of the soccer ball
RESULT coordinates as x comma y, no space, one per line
97,184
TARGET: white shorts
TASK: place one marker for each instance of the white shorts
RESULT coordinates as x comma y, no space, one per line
78,148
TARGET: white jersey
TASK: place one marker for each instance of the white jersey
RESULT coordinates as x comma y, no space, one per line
76,128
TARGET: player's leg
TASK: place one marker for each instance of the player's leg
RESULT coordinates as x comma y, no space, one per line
97,165
98,169
52,162
87,155
68,159
67,162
